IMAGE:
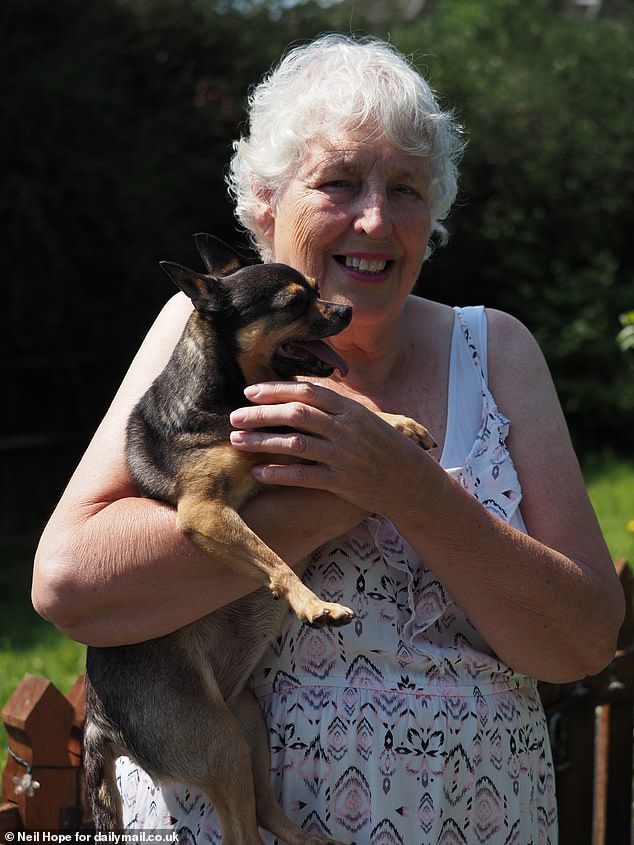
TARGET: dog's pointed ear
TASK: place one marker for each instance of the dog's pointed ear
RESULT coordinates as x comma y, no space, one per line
220,259
204,291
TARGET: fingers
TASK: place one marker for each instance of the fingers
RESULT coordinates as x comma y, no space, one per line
291,443
277,392
301,406
313,476
311,436
294,421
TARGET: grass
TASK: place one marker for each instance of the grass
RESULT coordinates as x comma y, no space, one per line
28,644
611,487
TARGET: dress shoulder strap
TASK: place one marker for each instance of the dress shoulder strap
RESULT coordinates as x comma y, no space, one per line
467,385
485,468
474,325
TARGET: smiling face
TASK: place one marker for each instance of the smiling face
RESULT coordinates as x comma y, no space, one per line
356,217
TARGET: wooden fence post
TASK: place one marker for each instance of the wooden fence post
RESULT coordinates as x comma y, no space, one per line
576,771
620,724
77,698
592,725
39,721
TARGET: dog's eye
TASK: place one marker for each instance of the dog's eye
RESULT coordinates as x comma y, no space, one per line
293,303
299,303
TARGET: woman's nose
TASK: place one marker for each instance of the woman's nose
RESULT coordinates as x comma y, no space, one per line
374,216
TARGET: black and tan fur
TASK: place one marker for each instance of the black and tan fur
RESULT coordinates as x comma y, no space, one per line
178,704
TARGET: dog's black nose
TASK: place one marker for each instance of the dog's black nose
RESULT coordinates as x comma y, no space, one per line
344,312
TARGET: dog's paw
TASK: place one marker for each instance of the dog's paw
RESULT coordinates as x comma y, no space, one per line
412,429
311,609
321,614
331,616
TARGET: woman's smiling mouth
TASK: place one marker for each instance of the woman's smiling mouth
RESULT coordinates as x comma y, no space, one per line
369,266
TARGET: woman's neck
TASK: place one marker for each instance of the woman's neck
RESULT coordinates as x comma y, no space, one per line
376,356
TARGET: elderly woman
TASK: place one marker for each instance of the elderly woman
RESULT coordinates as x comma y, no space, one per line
473,569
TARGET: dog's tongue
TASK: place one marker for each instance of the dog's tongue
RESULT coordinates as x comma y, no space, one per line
325,353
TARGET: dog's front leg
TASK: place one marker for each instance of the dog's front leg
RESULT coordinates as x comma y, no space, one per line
220,530
410,428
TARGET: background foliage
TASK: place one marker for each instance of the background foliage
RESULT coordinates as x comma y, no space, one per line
548,188
117,121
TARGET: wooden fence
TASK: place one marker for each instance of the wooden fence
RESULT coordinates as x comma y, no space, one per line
591,729
45,740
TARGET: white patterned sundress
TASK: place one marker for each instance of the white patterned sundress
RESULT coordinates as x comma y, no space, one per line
402,728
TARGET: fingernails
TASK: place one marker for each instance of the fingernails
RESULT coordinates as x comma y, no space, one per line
237,417
252,391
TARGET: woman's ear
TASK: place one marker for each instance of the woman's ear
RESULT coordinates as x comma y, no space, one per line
264,217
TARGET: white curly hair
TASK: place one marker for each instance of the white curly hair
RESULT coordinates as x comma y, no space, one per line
332,84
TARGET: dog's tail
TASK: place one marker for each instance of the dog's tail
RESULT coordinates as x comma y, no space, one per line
99,769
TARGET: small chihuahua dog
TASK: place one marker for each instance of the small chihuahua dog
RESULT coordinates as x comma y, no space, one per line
178,704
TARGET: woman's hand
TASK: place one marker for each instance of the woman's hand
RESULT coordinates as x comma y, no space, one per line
340,445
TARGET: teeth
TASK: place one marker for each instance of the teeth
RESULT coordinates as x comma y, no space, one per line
366,265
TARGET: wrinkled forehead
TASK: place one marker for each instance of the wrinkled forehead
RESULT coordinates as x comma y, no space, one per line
353,153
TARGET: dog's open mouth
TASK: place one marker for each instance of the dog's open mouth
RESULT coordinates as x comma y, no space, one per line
308,358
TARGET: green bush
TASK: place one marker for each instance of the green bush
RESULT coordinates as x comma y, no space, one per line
548,187
111,167
117,119
625,338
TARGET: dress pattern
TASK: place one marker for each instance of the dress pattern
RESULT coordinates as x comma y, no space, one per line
402,728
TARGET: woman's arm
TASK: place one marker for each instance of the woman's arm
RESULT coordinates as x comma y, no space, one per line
113,568
549,604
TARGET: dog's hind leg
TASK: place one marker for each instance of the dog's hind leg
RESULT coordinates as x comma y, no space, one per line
270,815
219,530
99,762
229,782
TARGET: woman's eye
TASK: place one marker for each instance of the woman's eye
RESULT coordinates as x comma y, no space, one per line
336,184
406,189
